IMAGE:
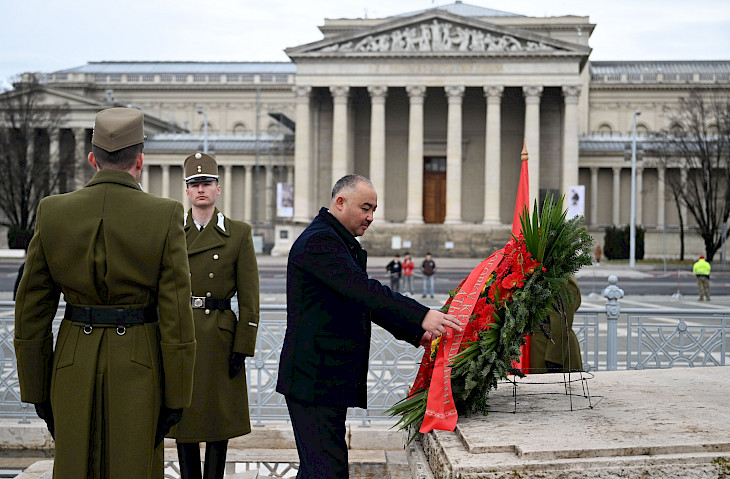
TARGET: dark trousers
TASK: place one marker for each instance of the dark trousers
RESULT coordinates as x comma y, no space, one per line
319,432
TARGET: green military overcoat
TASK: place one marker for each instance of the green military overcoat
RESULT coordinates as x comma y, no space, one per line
108,244
564,348
222,264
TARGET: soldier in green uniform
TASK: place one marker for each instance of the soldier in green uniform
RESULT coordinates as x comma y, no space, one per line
122,369
560,352
222,264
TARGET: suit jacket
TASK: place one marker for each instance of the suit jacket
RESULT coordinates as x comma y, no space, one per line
330,304
222,264
108,244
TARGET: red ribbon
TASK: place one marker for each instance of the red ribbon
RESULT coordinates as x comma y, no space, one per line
440,408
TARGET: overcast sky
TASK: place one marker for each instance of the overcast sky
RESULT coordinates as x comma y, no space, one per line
47,35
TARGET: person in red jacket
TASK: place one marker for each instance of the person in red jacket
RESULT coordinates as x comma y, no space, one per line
408,266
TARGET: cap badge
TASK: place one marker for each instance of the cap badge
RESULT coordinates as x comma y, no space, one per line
200,169
198,156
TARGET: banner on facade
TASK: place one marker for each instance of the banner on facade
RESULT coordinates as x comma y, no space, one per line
576,201
284,200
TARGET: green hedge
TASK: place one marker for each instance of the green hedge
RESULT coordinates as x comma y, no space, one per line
617,242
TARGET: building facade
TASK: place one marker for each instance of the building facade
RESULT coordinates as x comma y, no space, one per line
433,106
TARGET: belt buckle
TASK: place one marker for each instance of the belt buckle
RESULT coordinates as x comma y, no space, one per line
198,302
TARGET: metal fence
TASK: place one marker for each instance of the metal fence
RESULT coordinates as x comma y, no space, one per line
651,338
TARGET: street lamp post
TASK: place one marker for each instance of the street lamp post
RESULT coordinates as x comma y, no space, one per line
205,129
632,226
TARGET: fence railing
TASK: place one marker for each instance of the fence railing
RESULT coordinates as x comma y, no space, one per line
651,338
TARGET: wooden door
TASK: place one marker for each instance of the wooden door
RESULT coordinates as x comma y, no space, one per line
434,189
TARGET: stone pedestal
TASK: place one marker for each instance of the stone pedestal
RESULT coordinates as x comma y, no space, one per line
651,423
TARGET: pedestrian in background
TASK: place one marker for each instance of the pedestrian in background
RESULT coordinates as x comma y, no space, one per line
395,267
428,268
701,270
408,266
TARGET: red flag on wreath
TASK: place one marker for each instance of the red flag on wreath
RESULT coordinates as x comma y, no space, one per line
522,202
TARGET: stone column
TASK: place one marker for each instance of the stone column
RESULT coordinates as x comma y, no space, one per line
302,163
54,160
455,95
661,171
185,199
616,194
414,205
144,178
81,162
165,181
270,196
569,170
289,174
228,189
493,155
377,142
340,131
594,195
248,191
532,137
639,196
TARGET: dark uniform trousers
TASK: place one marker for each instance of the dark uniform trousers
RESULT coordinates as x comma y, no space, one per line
319,432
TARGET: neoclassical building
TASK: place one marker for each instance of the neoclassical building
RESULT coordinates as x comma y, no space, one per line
434,106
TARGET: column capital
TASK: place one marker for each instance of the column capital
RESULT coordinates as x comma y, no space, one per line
532,91
340,91
617,169
455,91
416,91
493,91
302,91
378,91
572,92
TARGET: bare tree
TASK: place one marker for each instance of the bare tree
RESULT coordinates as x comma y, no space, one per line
698,142
25,123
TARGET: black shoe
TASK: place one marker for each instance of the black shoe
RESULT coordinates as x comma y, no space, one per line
432,296
423,296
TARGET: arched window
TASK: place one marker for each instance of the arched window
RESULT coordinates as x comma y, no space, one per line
642,130
677,130
211,128
274,128
605,130
240,128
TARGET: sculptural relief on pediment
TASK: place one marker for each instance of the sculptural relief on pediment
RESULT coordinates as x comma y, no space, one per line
438,36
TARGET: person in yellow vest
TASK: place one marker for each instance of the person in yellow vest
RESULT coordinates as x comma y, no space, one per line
701,270
222,265
122,369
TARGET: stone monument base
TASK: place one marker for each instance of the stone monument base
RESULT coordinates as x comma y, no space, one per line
650,423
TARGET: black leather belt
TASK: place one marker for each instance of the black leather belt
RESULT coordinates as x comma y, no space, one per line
201,302
119,317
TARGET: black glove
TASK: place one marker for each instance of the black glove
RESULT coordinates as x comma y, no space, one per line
235,364
168,418
45,412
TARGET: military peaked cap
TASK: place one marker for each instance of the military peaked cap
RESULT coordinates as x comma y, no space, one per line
200,167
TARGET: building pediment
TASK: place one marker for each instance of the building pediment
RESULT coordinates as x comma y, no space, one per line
437,33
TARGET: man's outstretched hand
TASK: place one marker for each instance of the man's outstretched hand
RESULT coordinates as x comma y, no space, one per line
436,322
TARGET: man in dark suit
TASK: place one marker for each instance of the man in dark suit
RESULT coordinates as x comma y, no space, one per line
330,305
122,369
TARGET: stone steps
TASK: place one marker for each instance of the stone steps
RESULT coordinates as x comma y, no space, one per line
268,452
